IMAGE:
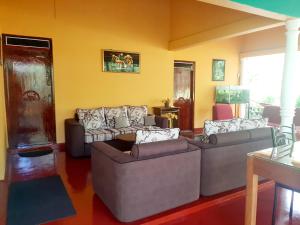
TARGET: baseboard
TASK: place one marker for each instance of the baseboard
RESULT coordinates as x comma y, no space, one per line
198,130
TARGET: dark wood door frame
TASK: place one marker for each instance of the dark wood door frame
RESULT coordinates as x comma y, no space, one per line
193,77
4,45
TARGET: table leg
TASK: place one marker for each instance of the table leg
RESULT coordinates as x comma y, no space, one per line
251,191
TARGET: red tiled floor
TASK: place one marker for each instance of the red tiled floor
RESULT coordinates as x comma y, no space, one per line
224,209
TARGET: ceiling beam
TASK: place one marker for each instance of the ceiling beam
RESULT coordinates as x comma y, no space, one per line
247,9
242,27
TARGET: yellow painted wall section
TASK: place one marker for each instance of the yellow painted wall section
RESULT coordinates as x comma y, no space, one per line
205,87
190,16
80,30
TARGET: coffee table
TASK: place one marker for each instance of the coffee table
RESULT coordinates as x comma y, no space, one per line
127,137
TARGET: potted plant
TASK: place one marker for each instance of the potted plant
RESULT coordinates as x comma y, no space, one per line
166,102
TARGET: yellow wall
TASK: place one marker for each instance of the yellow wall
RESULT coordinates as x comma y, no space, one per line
205,87
80,30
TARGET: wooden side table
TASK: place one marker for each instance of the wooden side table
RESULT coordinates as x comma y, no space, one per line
167,111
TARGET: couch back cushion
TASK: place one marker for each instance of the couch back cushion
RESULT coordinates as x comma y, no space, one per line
136,115
114,112
92,118
261,133
157,149
229,138
247,124
147,136
221,126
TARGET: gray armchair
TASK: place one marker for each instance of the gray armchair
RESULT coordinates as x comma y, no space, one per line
154,178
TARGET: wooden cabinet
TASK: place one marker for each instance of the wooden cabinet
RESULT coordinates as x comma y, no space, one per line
172,113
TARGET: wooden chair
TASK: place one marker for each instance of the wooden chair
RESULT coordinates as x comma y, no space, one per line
283,142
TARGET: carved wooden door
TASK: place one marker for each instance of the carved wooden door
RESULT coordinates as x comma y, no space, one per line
184,93
28,91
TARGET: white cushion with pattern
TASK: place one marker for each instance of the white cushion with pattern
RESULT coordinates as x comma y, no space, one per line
136,114
113,112
221,126
92,118
247,124
98,135
147,136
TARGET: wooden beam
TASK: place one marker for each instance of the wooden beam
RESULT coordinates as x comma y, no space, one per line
247,9
235,29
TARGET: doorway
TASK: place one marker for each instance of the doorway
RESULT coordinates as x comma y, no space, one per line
28,80
184,93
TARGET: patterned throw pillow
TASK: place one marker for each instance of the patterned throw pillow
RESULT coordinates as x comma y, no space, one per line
147,136
136,115
149,121
221,126
247,124
113,112
92,118
121,122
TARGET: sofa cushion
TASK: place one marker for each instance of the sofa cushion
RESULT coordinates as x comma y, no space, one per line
121,122
221,126
147,136
92,135
113,112
149,120
260,133
229,138
92,118
157,149
136,115
247,124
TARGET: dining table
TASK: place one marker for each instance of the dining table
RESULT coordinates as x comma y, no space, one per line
284,170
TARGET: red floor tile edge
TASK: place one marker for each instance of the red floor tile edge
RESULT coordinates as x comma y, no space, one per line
197,208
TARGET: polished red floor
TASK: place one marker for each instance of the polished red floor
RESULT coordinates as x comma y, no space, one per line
224,209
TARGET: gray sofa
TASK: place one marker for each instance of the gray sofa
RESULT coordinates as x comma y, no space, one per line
156,177
223,159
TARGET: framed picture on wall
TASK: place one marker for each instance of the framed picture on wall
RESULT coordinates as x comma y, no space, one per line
218,70
121,61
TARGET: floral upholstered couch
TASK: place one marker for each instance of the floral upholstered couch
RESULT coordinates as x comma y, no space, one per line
106,123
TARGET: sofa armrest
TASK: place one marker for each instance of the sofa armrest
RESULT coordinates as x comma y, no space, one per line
74,135
161,122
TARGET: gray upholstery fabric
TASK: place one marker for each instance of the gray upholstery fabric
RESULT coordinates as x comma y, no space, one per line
150,150
231,137
223,165
74,135
260,133
121,122
136,189
149,120
224,168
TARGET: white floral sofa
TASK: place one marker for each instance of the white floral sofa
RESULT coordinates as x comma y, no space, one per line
106,123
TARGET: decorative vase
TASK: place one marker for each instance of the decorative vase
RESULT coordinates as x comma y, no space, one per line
167,104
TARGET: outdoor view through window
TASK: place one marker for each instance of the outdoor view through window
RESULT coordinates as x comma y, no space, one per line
263,76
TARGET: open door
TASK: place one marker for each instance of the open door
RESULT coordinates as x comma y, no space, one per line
184,93
28,91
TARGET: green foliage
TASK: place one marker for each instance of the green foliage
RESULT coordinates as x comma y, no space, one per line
269,100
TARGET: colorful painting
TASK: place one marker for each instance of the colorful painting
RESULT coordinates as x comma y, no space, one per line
121,62
218,70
